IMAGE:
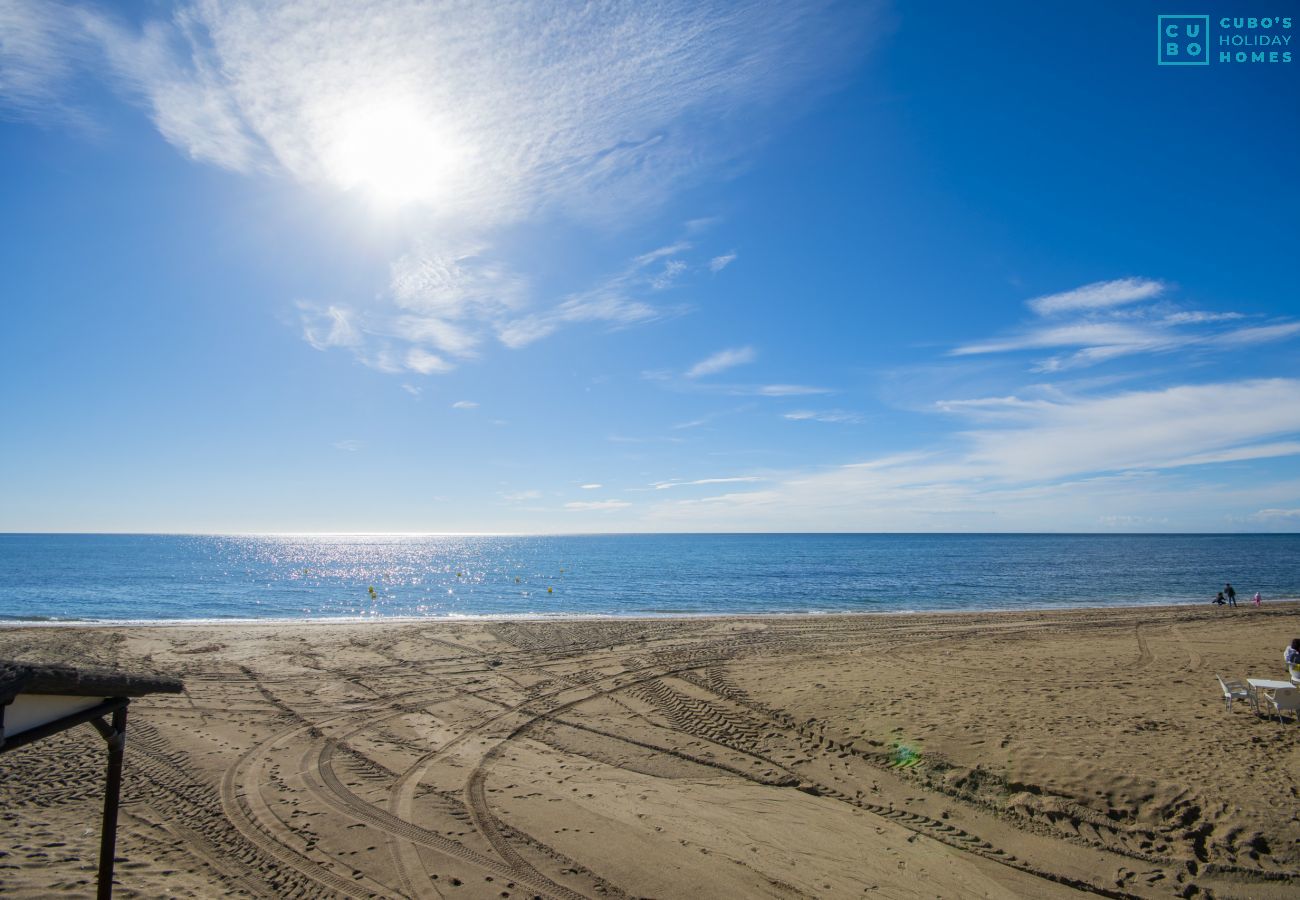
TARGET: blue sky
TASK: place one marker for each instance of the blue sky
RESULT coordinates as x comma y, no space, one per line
871,267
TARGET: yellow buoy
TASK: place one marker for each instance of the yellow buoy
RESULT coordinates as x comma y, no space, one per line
550,590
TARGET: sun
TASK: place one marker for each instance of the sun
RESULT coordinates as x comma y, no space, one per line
394,152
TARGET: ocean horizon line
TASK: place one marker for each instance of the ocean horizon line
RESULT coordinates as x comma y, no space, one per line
640,533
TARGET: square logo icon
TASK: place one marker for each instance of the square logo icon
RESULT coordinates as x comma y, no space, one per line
1183,40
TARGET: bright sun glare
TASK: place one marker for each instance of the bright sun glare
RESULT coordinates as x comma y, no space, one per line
393,152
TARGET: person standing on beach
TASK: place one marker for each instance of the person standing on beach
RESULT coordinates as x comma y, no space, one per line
1257,598
1231,594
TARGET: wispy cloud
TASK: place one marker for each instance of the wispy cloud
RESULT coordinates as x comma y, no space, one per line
1110,320
1098,295
1257,335
618,301
838,416
349,446
1139,429
721,361
591,487
718,263
738,479
468,118
1025,464
465,404
667,275
466,108
41,46
1277,514
596,505
788,390
520,496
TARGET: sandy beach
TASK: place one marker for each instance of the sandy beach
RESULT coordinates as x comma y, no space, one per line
1042,754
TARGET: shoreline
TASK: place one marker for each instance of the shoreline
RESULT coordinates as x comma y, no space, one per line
1053,753
453,618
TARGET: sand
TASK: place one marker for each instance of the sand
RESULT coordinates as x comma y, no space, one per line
981,755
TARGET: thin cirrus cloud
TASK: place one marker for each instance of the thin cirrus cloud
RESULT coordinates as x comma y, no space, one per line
788,390
718,263
721,361
1099,295
1072,462
736,479
446,308
833,416
468,118
596,505
1109,320
1277,514
616,300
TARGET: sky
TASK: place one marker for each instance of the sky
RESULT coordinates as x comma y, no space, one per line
368,266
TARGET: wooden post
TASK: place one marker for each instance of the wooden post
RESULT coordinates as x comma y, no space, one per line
116,738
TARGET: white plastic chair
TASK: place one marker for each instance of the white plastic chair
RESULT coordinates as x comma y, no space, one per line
1286,700
1234,690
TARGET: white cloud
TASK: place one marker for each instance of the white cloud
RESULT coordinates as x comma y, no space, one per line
471,110
464,404
823,415
1275,514
790,390
40,47
596,505
1258,335
993,407
331,327
520,496
1139,429
718,263
591,487
428,282
721,361
1199,317
424,362
667,275
1064,463
468,118
351,446
664,485
1098,295
1115,334
1103,332
614,301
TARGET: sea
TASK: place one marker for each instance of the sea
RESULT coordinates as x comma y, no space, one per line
65,578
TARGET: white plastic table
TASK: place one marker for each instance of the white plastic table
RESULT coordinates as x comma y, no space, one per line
1258,685
1269,684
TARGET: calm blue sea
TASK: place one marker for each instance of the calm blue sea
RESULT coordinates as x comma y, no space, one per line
151,577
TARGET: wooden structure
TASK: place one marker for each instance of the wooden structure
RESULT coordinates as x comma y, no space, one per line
38,700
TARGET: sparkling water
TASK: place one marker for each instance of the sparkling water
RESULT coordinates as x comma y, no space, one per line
45,577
